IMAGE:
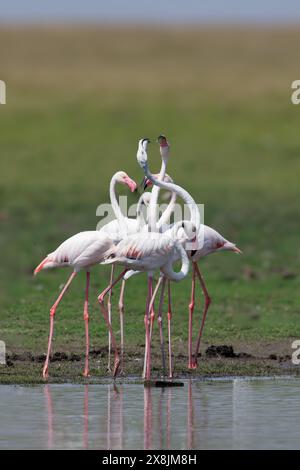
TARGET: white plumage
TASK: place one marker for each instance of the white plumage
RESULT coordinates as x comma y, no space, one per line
82,251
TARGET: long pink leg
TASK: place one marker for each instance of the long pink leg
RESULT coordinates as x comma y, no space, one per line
147,364
111,285
86,320
105,314
206,306
121,311
191,311
152,312
52,315
148,356
109,316
159,320
146,322
169,330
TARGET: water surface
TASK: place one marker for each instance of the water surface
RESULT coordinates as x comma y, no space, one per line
216,414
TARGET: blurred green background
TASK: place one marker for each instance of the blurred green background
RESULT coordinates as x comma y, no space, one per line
79,98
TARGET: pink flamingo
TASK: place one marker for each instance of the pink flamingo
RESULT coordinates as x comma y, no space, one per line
142,252
81,252
213,242
195,219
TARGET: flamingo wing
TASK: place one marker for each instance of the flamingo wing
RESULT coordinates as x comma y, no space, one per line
95,252
81,250
141,250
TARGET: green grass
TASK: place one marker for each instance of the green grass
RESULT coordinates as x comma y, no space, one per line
77,102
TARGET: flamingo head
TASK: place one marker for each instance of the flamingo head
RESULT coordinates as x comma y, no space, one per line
141,155
229,246
123,178
190,230
219,243
146,198
164,146
214,242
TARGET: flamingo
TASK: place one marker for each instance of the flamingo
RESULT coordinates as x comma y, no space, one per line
153,227
81,252
159,251
213,242
195,219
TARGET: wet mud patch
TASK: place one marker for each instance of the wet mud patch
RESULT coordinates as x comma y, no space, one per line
225,351
58,356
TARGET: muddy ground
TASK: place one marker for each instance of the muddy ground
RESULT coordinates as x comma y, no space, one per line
215,361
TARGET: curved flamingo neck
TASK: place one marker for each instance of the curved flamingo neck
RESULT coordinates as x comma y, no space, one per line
152,223
185,264
165,217
139,216
195,215
114,203
182,255
168,270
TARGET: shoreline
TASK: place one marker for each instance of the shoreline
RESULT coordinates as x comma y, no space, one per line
25,369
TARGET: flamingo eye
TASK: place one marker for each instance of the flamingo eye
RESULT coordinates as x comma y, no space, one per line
219,244
194,229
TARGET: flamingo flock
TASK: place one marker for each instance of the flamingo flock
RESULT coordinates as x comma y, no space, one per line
148,245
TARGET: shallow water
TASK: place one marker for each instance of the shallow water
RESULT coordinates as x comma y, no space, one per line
215,414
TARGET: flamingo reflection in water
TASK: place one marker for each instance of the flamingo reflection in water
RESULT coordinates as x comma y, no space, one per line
190,418
114,417
50,417
49,406
158,425
147,418
86,418
153,417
